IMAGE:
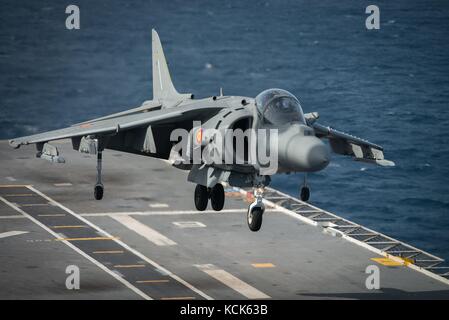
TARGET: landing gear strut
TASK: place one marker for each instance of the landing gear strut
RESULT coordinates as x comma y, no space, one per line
216,195
99,188
304,194
256,210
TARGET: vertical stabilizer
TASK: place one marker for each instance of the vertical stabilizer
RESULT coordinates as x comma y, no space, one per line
163,89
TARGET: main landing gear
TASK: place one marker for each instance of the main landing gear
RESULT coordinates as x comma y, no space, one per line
99,188
215,194
304,194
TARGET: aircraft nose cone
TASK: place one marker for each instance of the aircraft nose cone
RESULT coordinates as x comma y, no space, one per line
318,157
307,154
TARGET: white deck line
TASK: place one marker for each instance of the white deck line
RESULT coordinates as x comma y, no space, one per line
11,233
144,231
164,212
232,282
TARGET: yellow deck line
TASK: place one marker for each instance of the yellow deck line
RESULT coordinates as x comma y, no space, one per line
263,265
63,227
178,298
387,262
52,215
85,239
109,251
152,281
129,266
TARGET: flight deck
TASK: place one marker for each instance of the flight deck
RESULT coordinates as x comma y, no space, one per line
145,240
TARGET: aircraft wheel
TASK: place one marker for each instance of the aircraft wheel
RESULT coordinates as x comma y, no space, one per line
254,218
217,197
201,197
98,192
305,193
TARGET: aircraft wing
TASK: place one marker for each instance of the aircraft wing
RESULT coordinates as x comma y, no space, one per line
101,127
346,144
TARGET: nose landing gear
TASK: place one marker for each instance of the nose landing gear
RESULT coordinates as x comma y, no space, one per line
255,211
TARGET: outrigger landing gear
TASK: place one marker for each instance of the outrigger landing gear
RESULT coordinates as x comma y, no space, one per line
304,194
256,210
99,188
216,195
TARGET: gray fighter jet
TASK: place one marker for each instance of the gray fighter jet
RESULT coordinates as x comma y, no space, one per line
148,130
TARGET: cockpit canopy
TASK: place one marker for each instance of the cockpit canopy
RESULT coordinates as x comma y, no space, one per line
279,107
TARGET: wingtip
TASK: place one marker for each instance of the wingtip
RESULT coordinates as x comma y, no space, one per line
14,144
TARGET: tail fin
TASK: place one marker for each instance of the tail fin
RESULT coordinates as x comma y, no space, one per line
163,89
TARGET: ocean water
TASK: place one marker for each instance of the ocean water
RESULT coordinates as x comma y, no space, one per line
390,86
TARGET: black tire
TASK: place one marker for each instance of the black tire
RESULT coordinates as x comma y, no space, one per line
98,192
305,194
254,218
217,197
201,197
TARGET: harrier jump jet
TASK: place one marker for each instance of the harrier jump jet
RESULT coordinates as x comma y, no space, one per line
146,130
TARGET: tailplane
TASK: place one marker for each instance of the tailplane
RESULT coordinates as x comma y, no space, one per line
163,89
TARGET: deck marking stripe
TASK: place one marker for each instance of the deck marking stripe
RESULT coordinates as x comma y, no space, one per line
387,262
232,282
189,224
11,179
129,266
123,245
158,205
69,227
165,212
263,265
11,233
85,239
52,215
63,184
178,298
97,263
152,281
145,231
19,195
33,204
109,252
14,185
12,217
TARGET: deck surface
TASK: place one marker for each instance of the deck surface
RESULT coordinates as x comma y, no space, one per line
145,240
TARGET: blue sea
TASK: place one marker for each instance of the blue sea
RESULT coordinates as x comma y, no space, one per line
390,86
